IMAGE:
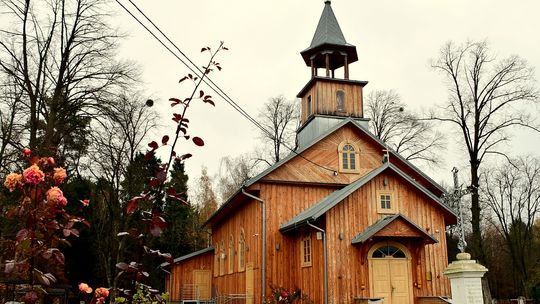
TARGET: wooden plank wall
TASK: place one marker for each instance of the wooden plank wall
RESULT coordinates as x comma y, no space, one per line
325,153
182,273
323,99
248,217
347,273
284,201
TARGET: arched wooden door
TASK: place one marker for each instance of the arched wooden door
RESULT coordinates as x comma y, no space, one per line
390,273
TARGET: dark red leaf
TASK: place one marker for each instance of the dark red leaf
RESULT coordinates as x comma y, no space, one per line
210,102
154,182
177,117
59,257
149,155
21,235
185,156
161,175
132,205
225,48
154,145
183,130
165,139
201,94
122,266
171,191
175,100
186,137
183,78
204,49
198,141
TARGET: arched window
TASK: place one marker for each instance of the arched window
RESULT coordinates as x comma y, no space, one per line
388,251
242,251
231,253
348,157
340,101
216,260
221,258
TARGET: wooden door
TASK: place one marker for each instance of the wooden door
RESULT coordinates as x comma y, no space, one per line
390,280
249,283
390,273
203,280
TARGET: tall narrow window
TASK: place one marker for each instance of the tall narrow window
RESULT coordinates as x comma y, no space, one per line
216,260
348,160
309,106
340,101
221,258
231,254
305,251
242,251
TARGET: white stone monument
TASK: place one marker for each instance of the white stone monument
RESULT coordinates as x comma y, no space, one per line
466,280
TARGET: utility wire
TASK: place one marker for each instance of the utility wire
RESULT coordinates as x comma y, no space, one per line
213,86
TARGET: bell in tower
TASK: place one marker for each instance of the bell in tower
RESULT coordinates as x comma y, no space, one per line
326,100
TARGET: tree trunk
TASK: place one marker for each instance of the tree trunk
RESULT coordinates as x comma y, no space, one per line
477,250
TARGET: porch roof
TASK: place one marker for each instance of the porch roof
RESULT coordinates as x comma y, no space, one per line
386,221
317,210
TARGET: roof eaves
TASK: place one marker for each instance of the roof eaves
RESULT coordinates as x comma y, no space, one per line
294,154
385,221
189,256
401,158
320,208
422,189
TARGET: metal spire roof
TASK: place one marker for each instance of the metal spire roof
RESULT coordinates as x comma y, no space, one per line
329,39
328,30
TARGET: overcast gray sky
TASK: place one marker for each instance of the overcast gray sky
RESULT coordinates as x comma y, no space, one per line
395,41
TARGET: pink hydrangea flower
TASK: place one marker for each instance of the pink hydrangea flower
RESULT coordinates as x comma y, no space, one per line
85,202
55,197
83,287
59,175
13,180
33,175
102,292
26,152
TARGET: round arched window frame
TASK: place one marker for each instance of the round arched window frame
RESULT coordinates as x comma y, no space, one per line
388,250
348,157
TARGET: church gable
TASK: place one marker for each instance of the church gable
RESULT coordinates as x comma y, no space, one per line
324,161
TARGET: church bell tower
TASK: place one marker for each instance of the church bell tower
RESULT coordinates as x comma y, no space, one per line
327,100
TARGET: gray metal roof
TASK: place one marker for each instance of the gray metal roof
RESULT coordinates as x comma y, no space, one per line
385,221
312,143
320,208
190,255
314,212
328,30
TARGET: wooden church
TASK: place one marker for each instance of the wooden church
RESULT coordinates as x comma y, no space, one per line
342,218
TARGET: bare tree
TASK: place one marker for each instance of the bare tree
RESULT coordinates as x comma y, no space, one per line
279,117
406,133
484,100
11,127
116,140
234,171
61,55
512,192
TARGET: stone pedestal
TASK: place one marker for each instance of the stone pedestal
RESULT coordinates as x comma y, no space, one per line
466,280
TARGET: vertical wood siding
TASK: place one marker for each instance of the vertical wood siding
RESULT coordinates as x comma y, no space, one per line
323,99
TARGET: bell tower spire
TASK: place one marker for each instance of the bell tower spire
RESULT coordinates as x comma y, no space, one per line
326,100
329,49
